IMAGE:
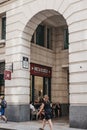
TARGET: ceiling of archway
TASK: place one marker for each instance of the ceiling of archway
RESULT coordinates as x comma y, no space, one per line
49,17
56,20
3,1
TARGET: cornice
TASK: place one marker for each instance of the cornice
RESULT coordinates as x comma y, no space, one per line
3,1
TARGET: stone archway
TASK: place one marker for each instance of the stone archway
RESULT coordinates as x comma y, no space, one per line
71,16
56,57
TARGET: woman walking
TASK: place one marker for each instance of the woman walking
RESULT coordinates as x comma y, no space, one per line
47,112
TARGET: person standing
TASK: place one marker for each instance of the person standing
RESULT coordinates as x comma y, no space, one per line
47,112
58,110
32,106
33,111
3,105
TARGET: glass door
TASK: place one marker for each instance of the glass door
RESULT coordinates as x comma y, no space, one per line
39,87
36,89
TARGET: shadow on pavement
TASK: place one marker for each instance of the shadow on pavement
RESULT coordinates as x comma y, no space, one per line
6,129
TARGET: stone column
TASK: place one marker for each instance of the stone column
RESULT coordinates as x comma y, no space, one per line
78,73
61,79
17,89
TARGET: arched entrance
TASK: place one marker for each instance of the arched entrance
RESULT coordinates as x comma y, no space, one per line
65,9
49,52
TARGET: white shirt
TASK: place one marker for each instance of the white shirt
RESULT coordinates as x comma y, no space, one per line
32,107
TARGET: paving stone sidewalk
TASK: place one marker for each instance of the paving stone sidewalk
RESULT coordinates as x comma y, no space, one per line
33,125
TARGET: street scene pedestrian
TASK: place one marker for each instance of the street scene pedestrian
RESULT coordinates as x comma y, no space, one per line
47,112
33,111
3,105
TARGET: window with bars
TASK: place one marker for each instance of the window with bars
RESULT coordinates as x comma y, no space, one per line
40,35
3,30
66,39
49,38
43,36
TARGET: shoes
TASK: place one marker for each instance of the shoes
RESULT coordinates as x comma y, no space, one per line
41,129
6,121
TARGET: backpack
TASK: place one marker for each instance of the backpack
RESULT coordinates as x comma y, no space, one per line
4,104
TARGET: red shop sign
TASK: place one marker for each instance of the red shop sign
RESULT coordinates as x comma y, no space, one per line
40,70
7,75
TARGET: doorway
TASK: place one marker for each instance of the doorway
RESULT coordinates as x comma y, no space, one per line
39,87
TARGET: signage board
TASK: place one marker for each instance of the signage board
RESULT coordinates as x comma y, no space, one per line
40,70
25,63
7,75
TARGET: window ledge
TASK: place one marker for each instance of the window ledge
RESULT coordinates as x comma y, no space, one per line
3,1
2,43
65,66
42,48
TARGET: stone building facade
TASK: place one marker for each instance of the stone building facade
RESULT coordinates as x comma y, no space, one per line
60,67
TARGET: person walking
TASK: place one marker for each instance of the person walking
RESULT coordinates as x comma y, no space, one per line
33,111
47,112
3,105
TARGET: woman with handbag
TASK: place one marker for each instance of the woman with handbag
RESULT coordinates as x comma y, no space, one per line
47,112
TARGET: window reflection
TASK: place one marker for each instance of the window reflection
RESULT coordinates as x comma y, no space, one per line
38,88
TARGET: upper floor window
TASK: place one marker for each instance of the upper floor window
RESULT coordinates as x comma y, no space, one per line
66,39
3,27
40,31
49,38
43,36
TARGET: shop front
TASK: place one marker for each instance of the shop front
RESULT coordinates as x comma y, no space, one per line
40,81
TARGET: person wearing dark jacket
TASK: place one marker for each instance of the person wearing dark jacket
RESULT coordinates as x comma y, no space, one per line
3,105
47,112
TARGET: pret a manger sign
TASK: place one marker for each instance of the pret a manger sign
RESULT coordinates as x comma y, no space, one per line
40,70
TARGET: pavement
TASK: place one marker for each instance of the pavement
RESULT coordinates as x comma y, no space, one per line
35,125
